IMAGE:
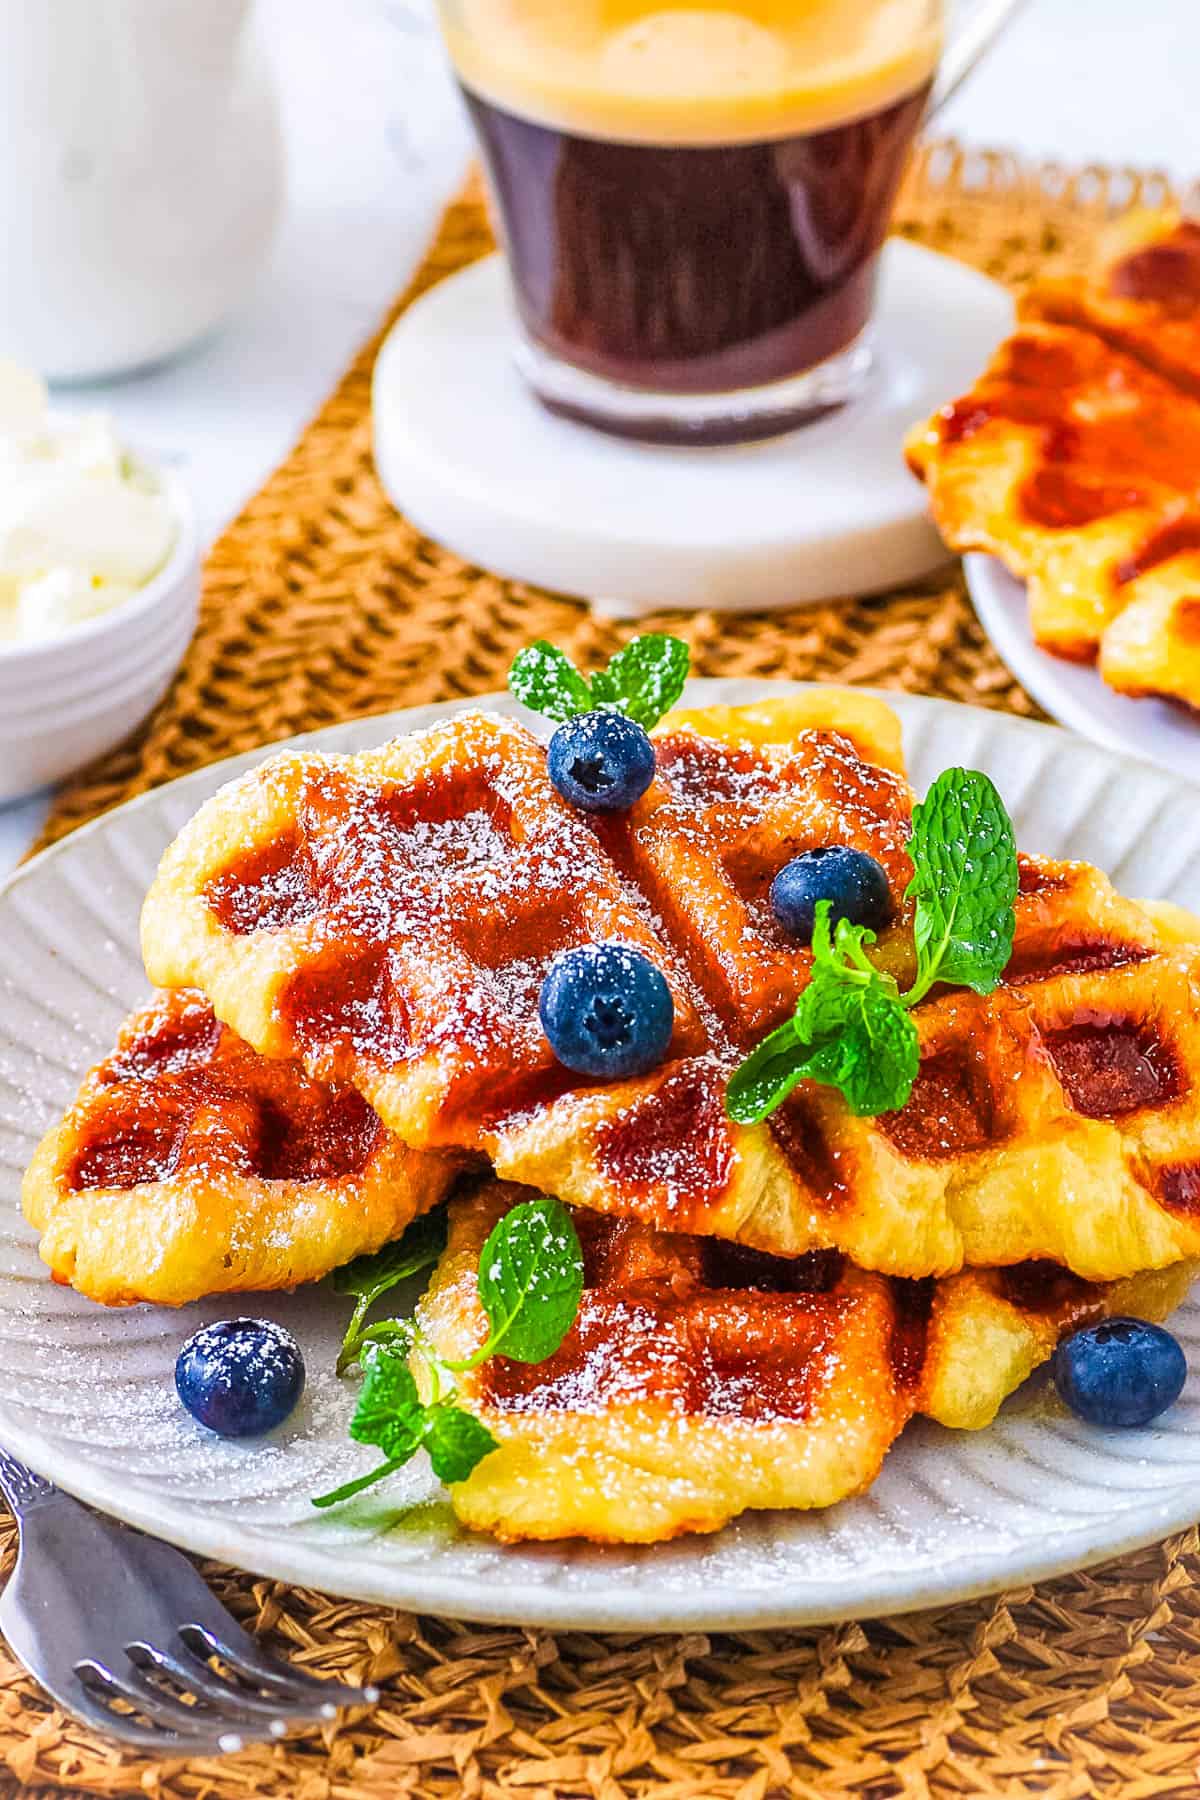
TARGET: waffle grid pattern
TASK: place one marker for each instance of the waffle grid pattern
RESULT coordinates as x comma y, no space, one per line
320,603
387,919
188,1166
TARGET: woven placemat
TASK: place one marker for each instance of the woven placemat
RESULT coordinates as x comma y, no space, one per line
319,603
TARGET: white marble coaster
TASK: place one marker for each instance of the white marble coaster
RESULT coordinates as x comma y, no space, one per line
472,458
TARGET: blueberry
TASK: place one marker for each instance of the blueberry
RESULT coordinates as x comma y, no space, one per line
1119,1372
606,1010
850,879
601,761
240,1377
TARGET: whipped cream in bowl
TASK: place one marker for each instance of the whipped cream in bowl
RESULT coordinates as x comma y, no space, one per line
83,524
99,585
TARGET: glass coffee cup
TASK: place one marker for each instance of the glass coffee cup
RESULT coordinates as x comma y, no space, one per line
692,199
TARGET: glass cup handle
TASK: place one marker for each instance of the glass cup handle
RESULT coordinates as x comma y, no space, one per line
975,28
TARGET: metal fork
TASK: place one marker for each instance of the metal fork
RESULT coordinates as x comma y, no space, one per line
125,1635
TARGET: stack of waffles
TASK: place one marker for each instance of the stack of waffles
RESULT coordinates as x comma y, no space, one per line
349,952
1074,459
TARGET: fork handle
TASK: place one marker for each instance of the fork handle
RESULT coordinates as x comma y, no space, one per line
21,1487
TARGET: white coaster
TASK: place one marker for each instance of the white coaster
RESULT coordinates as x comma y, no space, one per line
469,455
1074,693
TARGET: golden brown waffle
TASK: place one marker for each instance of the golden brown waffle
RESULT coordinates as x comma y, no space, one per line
1142,295
680,1397
387,918
988,1329
394,933
190,1165
1073,459
701,1379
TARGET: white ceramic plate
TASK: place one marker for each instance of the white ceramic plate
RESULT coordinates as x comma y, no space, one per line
1073,693
86,1395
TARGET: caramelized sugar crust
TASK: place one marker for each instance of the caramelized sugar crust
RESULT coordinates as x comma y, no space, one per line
180,1092
1073,459
715,829
701,1378
388,919
698,1381
688,1324
189,1164
391,916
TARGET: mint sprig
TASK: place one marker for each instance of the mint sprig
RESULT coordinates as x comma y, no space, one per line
852,1029
644,680
368,1278
530,1279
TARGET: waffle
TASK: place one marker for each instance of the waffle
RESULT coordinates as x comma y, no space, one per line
1142,297
1073,459
989,1329
190,1165
406,956
701,1379
671,1407
992,1157
387,919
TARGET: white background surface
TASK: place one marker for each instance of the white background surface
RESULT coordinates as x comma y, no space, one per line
376,144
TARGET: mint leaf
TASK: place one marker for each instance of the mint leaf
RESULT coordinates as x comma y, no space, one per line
545,679
645,679
530,1281
456,1441
850,1031
767,1076
370,1277
964,882
415,1250
873,1056
389,1413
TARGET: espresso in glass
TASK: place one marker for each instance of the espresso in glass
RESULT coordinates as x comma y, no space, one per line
693,199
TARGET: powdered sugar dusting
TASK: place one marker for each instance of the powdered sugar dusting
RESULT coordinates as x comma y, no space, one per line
85,1393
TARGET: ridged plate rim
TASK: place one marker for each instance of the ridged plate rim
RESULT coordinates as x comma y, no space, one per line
953,1516
1075,693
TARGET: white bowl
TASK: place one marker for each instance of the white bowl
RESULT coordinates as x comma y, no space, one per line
75,688
69,699
119,687
32,762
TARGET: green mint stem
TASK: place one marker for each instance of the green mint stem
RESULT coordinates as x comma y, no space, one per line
480,1356
350,1488
923,983
353,1341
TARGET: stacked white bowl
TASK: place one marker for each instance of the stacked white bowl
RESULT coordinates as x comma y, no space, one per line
68,699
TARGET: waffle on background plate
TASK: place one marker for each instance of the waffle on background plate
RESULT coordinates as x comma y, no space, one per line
1074,460
776,1300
